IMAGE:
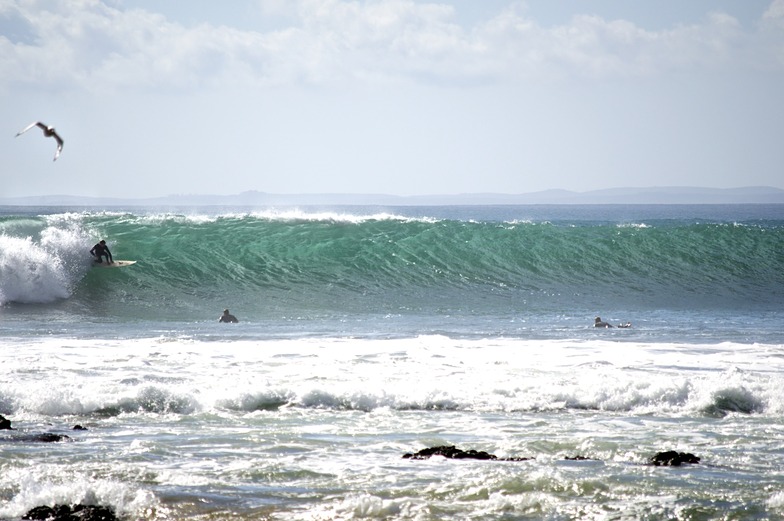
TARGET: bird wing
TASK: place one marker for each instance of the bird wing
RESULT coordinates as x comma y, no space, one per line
60,144
50,131
28,127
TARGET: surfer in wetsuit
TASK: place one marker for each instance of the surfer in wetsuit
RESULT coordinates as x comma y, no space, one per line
228,318
100,251
598,322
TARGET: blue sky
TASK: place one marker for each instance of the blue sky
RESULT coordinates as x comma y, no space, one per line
159,97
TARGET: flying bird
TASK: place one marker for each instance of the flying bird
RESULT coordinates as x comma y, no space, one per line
48,132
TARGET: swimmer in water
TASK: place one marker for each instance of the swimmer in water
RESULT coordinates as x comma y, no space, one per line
227,318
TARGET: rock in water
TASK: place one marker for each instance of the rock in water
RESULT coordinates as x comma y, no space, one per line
452,452
72,513
672,458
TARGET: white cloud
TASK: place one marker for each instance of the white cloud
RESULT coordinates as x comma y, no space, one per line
775,12
90,44
772,54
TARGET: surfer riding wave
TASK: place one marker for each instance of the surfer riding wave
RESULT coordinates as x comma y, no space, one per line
101,251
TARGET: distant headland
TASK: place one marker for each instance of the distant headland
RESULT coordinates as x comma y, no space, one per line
649,195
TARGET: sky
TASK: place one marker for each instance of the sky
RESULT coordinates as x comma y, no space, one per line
399,97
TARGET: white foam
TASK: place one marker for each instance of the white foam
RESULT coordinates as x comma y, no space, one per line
776,502
295,214
427,373
44,268
367,506
284,215
50,485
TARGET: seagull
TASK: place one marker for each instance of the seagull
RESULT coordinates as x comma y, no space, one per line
48,132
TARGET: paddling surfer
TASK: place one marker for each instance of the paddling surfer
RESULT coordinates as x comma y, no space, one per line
598,322
101,251
228,318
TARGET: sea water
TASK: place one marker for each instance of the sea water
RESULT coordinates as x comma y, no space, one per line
367,333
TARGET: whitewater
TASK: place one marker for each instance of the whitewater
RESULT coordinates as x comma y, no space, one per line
370,332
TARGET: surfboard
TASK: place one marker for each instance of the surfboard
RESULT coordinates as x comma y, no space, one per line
116,264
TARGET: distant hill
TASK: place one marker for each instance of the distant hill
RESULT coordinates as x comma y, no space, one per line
650,195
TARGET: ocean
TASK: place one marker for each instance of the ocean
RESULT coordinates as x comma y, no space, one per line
366,333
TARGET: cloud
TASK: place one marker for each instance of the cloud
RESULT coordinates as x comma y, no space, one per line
90,44
772,54
775,12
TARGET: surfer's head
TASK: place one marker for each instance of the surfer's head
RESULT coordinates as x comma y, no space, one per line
103,241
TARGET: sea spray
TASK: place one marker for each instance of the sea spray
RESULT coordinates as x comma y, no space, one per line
42,268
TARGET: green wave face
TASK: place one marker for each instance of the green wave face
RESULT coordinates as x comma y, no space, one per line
389,263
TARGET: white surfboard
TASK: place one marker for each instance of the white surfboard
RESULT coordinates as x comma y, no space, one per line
115,264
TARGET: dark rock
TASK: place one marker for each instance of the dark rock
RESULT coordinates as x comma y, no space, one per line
452,452
49,437
5,424
72,513
44,437
672,458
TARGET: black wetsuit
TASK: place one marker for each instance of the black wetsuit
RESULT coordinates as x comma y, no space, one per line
100,251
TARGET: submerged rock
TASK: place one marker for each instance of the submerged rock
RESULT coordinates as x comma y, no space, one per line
49,437
23,437
452,452
46,437
667,458
672,458
72,513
